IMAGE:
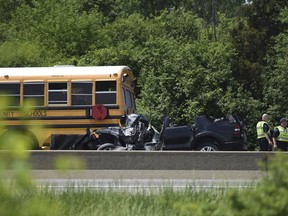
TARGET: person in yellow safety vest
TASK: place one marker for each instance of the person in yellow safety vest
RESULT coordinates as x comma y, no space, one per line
264,134
280,135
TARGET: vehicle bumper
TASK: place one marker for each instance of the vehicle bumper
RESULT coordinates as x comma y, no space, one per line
235,146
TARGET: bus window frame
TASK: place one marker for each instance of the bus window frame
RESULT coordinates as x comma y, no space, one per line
12,95
27,97
61,90
71,92
105,92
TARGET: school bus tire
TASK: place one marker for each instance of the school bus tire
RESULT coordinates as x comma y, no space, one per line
25,135
106,147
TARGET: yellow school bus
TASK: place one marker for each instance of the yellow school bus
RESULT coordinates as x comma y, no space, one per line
63,102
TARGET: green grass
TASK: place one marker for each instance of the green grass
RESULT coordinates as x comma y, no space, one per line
88,202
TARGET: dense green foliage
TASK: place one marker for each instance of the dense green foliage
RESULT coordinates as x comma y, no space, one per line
190,57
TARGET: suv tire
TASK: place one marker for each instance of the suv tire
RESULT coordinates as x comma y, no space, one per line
208,146
106,147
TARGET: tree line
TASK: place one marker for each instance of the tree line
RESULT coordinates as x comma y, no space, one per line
190,57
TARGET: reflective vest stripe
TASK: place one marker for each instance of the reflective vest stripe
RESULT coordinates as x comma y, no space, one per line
283,134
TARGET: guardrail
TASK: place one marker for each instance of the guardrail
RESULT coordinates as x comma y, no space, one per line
162,160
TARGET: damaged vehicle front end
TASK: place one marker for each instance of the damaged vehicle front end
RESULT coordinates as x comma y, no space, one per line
137,134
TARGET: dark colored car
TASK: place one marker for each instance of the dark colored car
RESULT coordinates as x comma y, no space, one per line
226,134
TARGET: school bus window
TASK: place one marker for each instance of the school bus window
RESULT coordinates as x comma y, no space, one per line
57,93
128,100
133,101
81,93
105,92
124,95
10,92
34,92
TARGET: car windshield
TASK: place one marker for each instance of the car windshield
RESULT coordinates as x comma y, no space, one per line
132,118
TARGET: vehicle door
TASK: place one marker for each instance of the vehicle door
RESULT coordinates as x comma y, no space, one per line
178,138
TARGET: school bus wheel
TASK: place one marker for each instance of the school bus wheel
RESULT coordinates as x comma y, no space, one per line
14,136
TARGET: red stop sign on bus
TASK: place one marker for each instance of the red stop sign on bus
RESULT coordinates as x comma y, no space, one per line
99,112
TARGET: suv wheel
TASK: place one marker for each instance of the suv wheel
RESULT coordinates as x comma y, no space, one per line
106,147
208,146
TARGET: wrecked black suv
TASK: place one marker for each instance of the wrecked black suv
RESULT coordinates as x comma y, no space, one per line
224,134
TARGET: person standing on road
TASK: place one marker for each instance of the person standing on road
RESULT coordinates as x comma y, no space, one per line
280,135
264,134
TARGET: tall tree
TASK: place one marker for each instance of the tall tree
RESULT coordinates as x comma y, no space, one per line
62,28
277,79
252,38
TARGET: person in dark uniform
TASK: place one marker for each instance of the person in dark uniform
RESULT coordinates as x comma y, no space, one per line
280,135
264,134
